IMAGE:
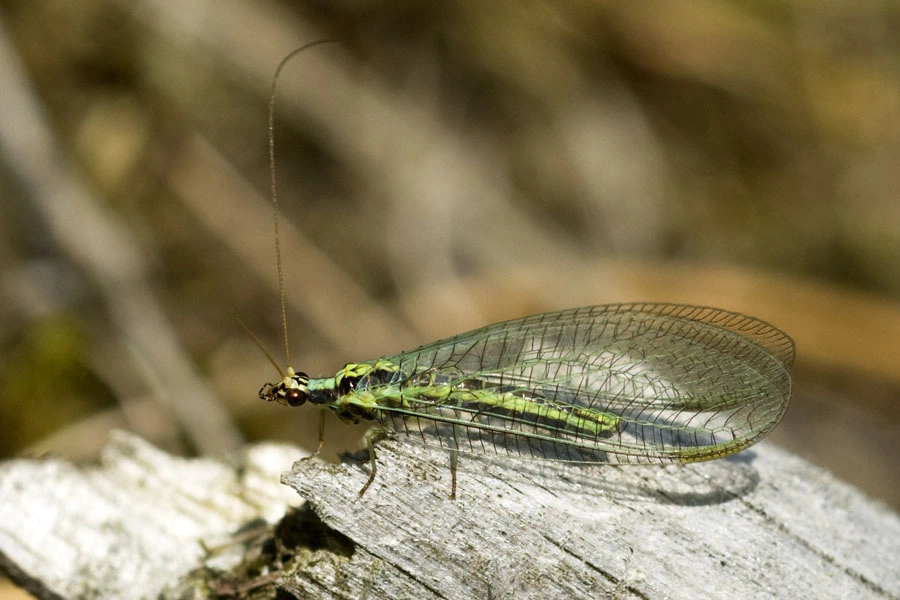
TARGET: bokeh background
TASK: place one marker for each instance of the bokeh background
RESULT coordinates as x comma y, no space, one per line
444,166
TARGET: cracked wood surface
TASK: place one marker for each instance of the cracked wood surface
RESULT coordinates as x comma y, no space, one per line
144,524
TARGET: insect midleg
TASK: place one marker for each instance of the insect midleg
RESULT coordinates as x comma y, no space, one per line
370,444
454,459
322,412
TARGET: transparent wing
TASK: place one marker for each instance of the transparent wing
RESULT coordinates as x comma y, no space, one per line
615,383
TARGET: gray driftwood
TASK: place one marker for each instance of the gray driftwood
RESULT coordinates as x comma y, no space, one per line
763,524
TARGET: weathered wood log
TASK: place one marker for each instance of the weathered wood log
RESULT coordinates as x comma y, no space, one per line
762,524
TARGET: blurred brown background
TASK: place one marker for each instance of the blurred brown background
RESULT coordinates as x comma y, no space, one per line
445,166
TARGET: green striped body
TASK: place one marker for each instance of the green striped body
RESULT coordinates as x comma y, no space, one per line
626,383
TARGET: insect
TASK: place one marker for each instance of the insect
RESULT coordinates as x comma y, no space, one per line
618,383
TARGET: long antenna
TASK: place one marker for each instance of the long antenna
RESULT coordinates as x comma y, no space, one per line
274,189
257,341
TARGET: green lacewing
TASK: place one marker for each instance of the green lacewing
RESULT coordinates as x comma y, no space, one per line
617,383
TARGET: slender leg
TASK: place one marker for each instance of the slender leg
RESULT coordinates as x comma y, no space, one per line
321,431
371,436
321,436
454,459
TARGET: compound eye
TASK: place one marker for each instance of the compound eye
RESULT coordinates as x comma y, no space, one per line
295,397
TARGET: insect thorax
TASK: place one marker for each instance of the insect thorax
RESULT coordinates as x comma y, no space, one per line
349,393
